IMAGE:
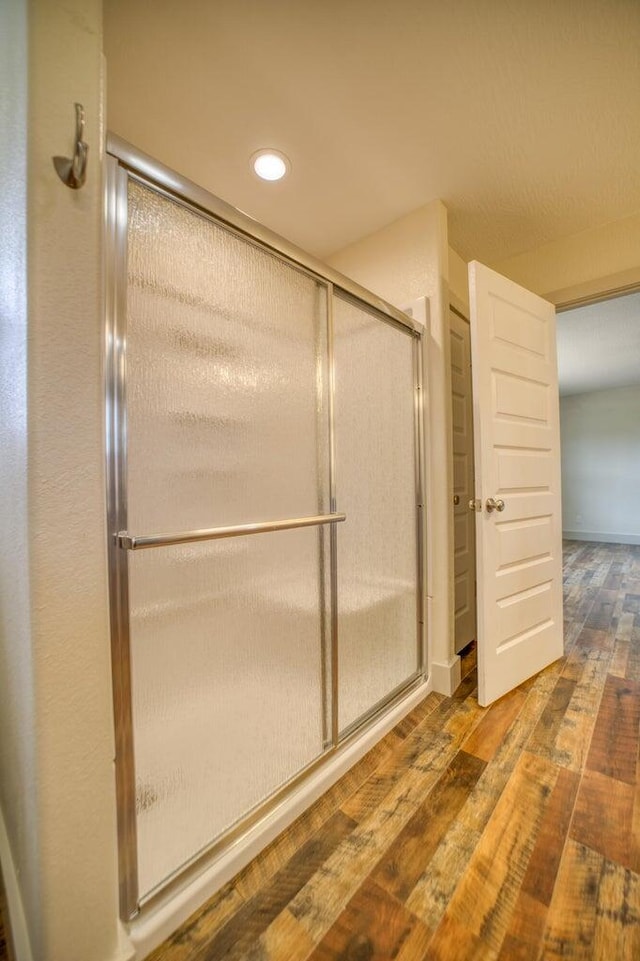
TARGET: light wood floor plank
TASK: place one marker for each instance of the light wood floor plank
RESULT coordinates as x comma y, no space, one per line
571,922
485,898
617,928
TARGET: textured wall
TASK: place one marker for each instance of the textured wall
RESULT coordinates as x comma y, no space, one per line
58,801
17,765
458,282
601,465
403,261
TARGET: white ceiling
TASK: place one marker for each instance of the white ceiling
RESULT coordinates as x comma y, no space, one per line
522,115
599,346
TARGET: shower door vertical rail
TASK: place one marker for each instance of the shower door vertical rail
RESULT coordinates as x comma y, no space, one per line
125,165
333,542
418,421
116,471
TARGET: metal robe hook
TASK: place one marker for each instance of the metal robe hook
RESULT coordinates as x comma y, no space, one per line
73,172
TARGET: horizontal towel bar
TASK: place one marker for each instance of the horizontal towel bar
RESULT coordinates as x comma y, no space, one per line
130,542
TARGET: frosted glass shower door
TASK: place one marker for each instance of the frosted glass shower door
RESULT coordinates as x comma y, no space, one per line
375,443
226,425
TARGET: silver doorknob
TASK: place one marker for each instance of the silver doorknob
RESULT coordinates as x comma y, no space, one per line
494,504
456,499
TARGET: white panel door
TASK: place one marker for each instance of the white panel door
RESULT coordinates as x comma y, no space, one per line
464,540
517,468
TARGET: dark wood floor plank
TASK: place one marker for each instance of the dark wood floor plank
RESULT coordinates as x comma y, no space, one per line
540,877
484,900
614,745
632,603
613,580
587,644
407,858
576,727
587,598
373,926
543,739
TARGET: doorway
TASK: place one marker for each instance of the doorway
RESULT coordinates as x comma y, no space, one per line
599,382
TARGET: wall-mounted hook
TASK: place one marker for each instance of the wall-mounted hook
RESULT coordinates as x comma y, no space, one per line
73,172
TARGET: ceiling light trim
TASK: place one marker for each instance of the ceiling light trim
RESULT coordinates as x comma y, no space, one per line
270,164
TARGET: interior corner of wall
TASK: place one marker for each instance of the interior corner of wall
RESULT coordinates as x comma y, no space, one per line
458,283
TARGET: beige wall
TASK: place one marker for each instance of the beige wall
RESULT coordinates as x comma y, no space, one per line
601,456
18,813
406,260
581,265
458,282
57,798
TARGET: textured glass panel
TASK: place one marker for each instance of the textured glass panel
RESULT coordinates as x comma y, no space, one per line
225,376
227,684
375,463
226,424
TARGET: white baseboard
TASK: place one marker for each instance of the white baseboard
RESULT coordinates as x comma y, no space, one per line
162,918
446,675
17,920
601,538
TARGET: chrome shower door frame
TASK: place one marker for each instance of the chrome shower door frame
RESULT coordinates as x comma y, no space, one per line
124,162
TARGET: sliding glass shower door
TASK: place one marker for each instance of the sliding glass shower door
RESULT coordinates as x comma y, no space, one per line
375,442
253,406
227,425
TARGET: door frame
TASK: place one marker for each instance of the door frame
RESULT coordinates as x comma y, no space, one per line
608,287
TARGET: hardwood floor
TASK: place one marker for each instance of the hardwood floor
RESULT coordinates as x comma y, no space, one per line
470,834
506,833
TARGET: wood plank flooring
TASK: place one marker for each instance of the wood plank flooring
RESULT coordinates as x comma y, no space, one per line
506,833
509,833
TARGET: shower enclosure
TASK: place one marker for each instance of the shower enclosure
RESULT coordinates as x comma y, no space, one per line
265,516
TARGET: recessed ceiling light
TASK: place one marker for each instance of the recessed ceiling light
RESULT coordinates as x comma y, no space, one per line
270,164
